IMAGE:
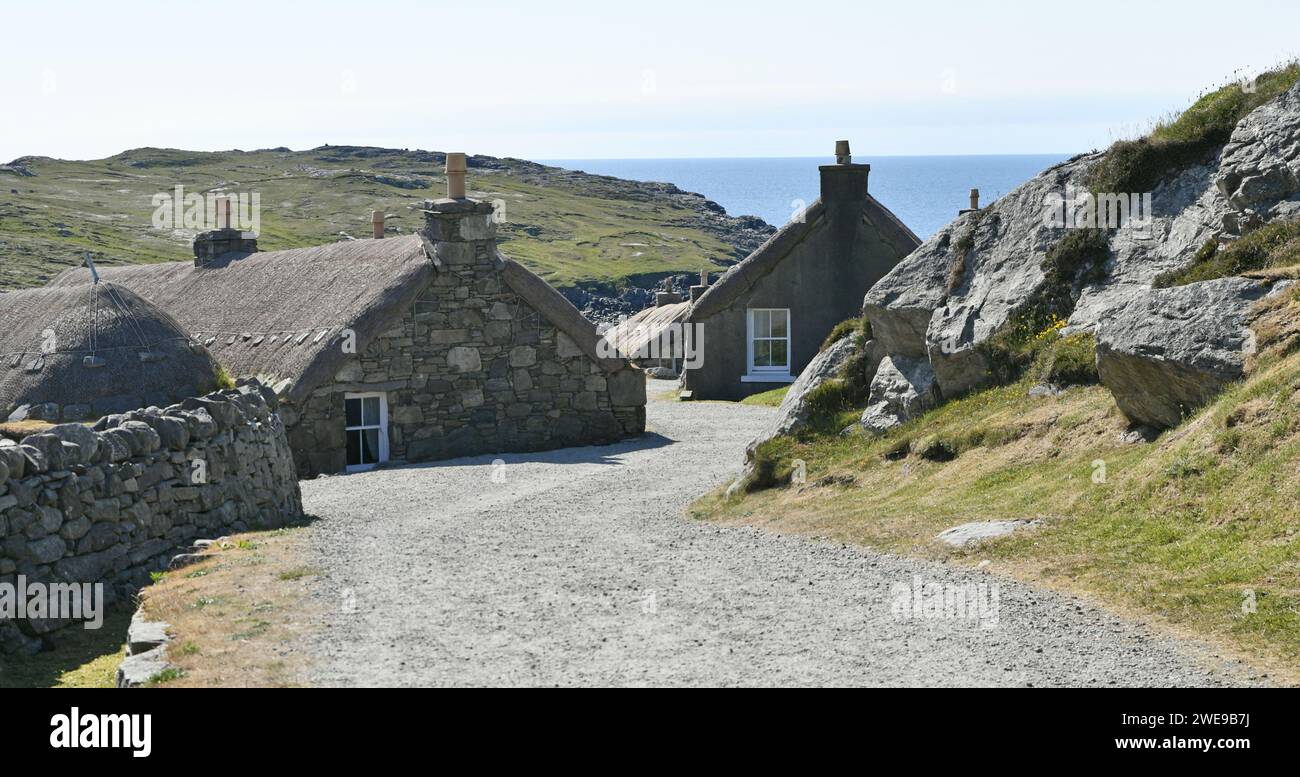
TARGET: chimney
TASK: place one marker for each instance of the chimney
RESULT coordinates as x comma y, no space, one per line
844,181
666,298
377,223
456,169
974,202
461,231
223,213
208,246
698,291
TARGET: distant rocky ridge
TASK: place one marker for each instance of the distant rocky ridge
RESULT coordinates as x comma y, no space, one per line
52,211
746,233
599,302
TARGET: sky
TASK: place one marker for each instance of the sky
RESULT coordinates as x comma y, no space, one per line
563,80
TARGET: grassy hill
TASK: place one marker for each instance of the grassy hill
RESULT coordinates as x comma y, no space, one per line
567,226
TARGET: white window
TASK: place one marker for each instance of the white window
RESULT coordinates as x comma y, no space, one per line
367,430
769,345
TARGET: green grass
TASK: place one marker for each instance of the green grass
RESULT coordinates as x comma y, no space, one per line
772,398
859,326
566,232
1274,246
297,573
1188,138
81,658
170,674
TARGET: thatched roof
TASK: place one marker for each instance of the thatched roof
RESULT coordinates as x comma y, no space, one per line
138,354
767,256
633,336
282,314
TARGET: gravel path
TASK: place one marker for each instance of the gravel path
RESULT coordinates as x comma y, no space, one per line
577,567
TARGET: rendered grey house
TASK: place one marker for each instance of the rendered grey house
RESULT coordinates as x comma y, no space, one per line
415,348
765,319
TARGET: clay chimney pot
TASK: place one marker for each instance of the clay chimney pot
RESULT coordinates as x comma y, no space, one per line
456,169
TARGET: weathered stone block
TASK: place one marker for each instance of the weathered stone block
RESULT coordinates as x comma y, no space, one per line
523,356
627,387
464,359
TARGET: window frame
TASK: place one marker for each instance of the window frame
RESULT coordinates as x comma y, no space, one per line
768,374
382,427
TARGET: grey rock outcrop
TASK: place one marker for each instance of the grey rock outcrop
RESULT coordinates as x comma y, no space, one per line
964,283
1167,352
969,280
903,388
1253,180
1259,173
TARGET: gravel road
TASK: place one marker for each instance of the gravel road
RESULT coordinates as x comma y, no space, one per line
578,567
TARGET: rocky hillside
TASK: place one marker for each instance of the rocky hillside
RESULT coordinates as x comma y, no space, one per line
601,234
974,296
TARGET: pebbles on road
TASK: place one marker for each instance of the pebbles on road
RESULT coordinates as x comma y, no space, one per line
578,567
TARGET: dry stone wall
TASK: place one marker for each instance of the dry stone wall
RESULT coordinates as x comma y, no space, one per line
113,503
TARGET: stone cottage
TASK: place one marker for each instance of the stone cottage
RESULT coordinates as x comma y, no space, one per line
415,348
79,353
765,319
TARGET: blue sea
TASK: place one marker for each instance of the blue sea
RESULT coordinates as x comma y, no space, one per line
924,191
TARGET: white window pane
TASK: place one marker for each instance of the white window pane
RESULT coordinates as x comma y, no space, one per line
762,323
354,448
370,446
779,353
372,411
779,323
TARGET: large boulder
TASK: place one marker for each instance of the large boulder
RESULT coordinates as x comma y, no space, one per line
964,284
1169,351
902,389
795,409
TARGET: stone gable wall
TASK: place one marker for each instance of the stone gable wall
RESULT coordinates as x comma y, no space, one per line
114,503
471,368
